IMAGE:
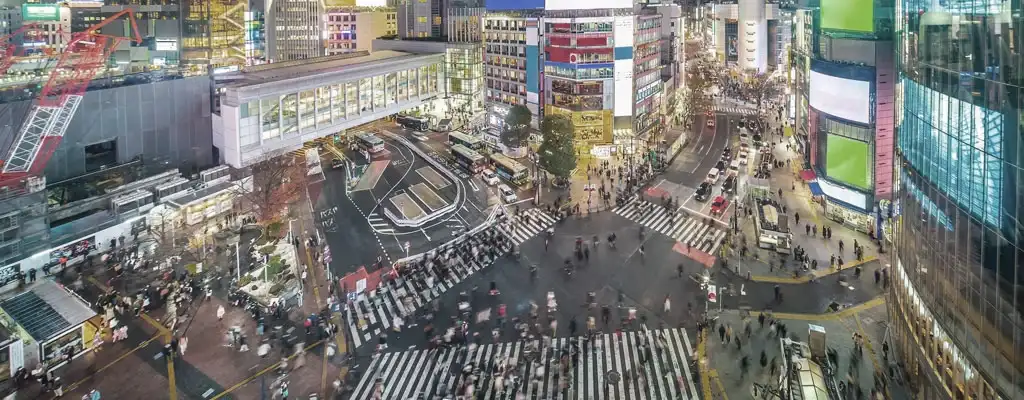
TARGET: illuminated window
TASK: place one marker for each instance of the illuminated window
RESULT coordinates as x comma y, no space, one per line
421,20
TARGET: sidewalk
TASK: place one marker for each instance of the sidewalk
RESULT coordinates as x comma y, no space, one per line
764,266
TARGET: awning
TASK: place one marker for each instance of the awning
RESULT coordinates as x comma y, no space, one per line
815,189
808,175
47,310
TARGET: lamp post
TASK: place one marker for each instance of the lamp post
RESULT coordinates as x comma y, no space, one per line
238,261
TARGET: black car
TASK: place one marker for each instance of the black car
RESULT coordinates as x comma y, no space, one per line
703,192
729,185
720,165
337,163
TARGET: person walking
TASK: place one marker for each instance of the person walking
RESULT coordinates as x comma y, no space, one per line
667,306
220,312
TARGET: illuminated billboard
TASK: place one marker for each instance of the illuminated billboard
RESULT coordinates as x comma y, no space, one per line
844,98
844,195
848,15
623,88
40,12
847,161
555,5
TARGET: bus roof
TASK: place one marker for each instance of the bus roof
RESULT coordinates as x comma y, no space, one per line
465,151
507,162
464,137
369,136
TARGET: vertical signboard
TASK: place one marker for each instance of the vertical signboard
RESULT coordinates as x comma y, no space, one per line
731,45
623,69
885,118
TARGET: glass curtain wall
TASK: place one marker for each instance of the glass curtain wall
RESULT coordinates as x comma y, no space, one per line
290,113
957,301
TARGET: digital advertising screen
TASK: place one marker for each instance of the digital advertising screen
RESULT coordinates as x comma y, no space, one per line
848,15
498,5
847,161
555,5
40,12
844,195
840,97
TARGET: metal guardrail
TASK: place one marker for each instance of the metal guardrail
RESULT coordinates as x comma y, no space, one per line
489,222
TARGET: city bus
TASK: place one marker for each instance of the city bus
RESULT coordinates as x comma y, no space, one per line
468,159
470,142
370,142
509,169
412,122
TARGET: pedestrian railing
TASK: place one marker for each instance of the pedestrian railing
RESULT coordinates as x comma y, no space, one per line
420,221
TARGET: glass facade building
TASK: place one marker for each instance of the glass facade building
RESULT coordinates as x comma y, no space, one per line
956,296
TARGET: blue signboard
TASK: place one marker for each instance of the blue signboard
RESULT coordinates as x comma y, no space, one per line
497,5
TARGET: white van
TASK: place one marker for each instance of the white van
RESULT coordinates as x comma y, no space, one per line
489,177
712,176
507,193
734,168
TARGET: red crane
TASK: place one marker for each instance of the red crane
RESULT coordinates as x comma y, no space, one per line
85,54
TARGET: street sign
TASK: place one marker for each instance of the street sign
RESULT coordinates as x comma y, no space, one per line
712,293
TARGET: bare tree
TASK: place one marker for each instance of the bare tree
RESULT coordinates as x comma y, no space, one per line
273,185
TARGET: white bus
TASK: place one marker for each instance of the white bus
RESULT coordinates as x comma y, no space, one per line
370,142
471,142
509,169
468,159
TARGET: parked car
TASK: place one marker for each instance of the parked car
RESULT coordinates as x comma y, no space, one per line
719,205
742,158
711,123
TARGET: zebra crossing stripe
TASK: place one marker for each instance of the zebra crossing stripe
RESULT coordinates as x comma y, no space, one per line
688,230
525,228
412,373
368,316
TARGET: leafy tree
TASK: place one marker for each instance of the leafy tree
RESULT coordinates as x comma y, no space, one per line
517,127
557,153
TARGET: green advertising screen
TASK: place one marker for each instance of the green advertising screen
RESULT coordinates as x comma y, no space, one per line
40,12
847,161
848,15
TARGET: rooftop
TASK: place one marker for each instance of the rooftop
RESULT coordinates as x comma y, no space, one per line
201,194
282,71
47,309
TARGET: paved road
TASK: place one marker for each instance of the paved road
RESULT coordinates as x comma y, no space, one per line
666,366
692,164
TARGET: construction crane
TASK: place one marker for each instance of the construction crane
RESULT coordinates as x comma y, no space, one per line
85,54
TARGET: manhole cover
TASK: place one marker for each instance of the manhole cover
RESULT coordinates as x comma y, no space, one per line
612,377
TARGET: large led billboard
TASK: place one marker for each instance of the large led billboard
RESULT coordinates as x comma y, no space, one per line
836,192
848,15
40,12
847,161
555,5
498,5
840,97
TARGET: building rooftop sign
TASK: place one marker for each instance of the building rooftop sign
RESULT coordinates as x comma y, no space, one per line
40,12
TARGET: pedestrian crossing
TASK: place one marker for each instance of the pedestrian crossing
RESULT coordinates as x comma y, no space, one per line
367,316
690,230
735,110
613,366
527,224
379,224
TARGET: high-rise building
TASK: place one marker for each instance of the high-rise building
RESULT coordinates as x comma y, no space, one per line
295,29
744,34
843,108
956,303
219,33
353,29
512,65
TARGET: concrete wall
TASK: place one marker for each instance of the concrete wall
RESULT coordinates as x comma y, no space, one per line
167,121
